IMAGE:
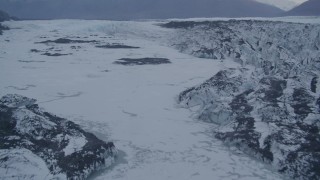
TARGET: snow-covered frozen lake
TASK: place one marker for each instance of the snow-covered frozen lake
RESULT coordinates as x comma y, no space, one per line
134,106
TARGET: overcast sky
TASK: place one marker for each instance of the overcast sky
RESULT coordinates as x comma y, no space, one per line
283,4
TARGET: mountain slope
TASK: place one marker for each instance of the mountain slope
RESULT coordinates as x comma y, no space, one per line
309,8
136,9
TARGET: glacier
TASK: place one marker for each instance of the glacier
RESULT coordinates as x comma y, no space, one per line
238,100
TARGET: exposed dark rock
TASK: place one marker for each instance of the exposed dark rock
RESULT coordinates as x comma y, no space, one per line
318,103
116,46
67,41
240,103
142,61
314,84
306,158
63,145
273,89
302,102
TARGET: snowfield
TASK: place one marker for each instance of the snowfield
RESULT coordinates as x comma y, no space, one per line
132,105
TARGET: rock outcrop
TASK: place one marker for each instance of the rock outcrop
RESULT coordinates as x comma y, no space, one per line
50,146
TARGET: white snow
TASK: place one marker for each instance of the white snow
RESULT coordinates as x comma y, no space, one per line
30,123
134,106
75,144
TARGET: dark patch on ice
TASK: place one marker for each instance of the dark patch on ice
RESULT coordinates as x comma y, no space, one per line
67,41
32,67
24,61
195,174
130,114
75,47
54,54
49,52
116,46
142,61
35,51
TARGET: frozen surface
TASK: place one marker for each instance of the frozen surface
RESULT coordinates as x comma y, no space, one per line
133,106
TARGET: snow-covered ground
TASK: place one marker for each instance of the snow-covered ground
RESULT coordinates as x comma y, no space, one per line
133,106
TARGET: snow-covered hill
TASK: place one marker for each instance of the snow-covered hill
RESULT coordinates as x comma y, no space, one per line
268,105
308,8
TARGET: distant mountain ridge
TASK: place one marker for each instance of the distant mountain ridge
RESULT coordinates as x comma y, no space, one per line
309,8
137,9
